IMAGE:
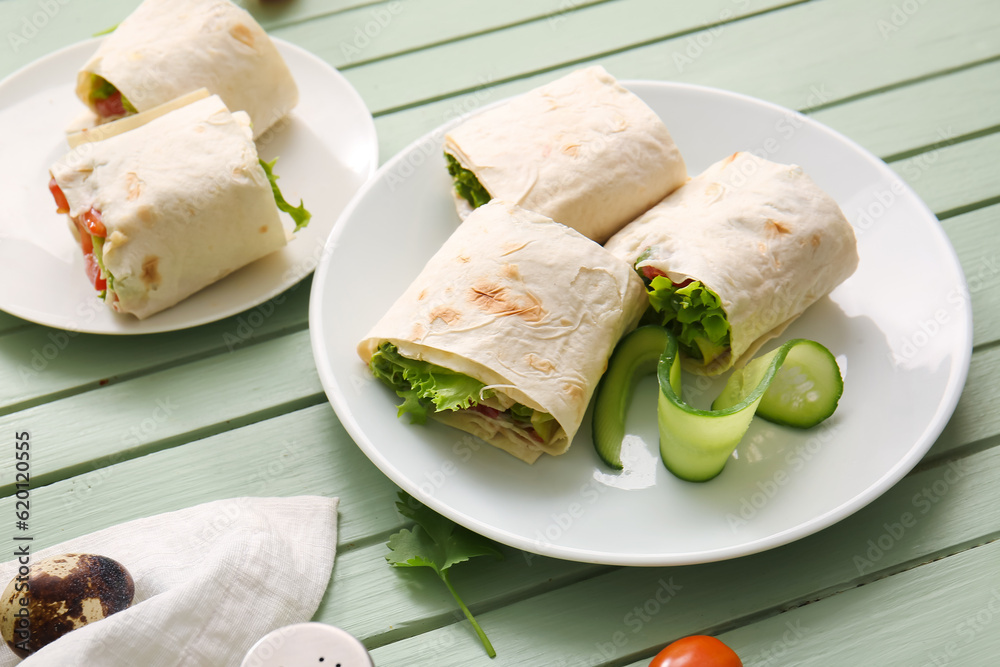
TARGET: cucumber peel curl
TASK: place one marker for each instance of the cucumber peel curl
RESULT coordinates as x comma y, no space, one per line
799,384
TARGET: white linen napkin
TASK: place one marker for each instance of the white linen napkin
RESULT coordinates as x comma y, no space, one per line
209,580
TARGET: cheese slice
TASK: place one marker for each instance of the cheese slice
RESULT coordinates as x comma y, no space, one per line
116,127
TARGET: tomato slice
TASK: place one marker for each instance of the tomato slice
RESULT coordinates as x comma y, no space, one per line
697,651
492,413
90,225
651,272
94,223
110,107
62,206
86,242
94,272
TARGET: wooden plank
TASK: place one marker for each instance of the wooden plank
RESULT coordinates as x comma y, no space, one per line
378,32
954,178
816,62
941,613
623,616
922,114
976,422
976,239
301,453
272,15
39,364
165,408
35,28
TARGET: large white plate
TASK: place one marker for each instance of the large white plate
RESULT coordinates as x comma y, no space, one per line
900,328
327,148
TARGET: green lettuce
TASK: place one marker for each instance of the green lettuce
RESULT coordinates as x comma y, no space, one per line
694,314
98,243
101,88
521,412
423,386
466,183
299,213
426,388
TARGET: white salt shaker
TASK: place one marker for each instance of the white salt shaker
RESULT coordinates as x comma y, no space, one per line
308,645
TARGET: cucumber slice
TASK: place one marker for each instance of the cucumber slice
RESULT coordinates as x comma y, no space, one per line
806,389
635,356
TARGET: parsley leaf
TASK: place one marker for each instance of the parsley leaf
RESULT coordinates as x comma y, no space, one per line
438,543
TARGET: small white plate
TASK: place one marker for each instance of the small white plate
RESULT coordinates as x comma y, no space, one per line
327,150
900,328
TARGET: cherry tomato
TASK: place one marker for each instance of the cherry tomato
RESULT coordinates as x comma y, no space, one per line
697,651
62,206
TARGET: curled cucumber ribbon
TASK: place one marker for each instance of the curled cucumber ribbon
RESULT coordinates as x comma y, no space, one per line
798,384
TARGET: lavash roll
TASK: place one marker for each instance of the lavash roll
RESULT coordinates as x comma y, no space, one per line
526,306
582,150
184,201
761,235
167,48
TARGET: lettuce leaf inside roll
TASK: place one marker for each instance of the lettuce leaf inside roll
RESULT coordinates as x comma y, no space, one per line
466,184
693,313
427,388
424,387
109,291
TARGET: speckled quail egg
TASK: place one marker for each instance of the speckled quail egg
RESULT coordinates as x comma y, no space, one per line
47,599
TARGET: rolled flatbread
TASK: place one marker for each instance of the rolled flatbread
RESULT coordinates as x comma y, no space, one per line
527,307
167,48
762,236
582,150
183,201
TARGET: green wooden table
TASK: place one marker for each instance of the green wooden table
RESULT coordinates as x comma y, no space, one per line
125,427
